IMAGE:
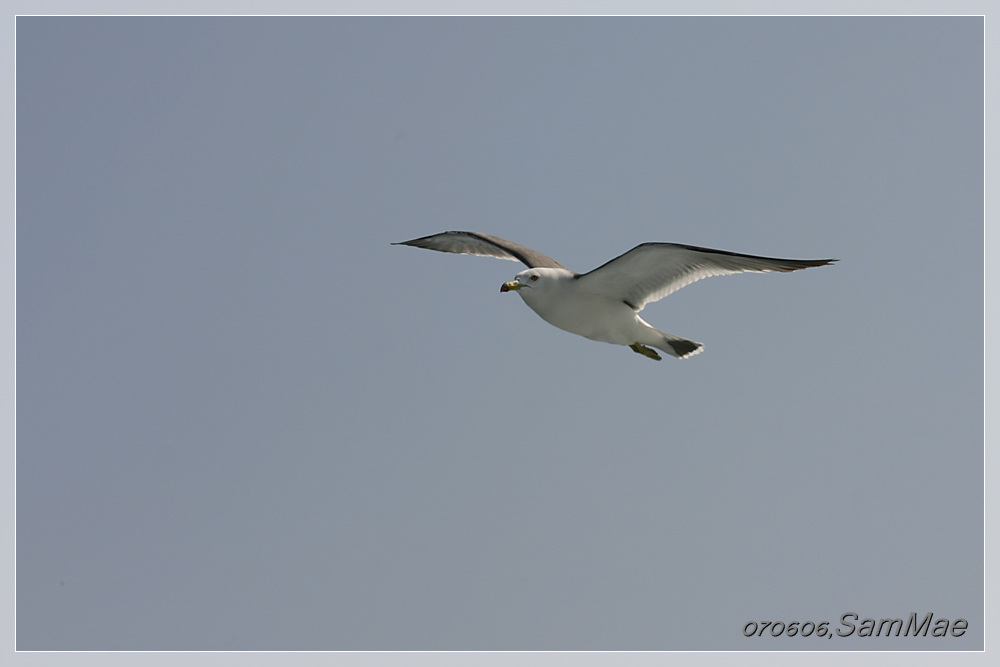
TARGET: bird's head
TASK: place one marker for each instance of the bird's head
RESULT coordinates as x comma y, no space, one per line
537,279
523,280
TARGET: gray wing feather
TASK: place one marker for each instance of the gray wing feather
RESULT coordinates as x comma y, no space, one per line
474,243
652,271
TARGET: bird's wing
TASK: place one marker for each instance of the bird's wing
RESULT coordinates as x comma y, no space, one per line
651,271
473,243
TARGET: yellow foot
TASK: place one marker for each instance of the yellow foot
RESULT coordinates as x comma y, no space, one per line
645,351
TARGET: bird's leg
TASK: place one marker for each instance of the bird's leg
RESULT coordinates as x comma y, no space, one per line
645,351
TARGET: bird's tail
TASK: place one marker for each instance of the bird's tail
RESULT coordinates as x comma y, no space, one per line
675,346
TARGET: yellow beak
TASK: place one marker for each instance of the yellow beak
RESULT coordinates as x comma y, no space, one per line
511,286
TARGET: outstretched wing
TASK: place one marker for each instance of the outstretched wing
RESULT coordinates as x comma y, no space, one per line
473,243
651,271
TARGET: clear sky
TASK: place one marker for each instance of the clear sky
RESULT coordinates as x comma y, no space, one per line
246,421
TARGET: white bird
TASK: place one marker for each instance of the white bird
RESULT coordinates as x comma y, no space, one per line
604,304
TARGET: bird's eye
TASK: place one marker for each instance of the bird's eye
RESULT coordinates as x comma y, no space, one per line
534,277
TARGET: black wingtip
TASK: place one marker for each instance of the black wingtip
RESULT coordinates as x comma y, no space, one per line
799,264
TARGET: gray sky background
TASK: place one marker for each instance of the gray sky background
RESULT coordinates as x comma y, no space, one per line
245,421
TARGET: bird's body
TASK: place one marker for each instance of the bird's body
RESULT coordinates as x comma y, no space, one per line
572,310
604,304
554,297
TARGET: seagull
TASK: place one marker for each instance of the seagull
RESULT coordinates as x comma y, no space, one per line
604,304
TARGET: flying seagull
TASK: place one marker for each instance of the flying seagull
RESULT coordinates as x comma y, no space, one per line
604,304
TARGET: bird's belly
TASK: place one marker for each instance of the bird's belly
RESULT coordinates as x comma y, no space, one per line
594,317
